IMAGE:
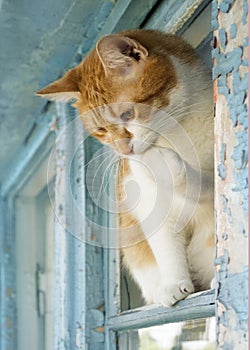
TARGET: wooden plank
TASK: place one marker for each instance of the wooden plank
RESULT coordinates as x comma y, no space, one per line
111,293
115,16
132,16
171,15
230,73
70,248
61,269
125,14
77,248
31,153
199,306
8,310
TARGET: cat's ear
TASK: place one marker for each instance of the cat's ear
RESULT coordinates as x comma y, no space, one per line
121,54
64,89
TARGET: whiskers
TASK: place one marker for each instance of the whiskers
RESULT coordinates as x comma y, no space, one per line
178,112
110,165
166,125
99,174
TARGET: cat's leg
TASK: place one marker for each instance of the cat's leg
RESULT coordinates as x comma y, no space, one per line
164,227
148,278
192,202
159,266
140,262
201,251
169,249
165,206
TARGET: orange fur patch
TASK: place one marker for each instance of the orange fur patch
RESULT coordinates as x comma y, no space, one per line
136,250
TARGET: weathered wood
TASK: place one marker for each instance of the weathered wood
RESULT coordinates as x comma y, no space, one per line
128,14
199,306
230,72
31,154
70,251
71,305
8,311
120,15
171,16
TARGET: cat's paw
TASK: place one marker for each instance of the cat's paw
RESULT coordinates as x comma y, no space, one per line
166,165
169,295
174,161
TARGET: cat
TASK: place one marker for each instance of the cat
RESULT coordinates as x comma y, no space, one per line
147,94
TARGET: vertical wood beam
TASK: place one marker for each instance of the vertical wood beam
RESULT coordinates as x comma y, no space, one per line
8,312
230,72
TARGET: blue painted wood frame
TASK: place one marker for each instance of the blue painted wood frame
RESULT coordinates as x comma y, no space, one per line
83,318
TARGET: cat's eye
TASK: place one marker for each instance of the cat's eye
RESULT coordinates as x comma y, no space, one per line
101,130
126,116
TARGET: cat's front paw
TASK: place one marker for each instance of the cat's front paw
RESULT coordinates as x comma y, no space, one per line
174,161
168,295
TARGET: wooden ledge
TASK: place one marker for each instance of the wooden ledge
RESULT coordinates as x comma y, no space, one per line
198,305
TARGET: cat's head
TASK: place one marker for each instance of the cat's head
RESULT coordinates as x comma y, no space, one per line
119,84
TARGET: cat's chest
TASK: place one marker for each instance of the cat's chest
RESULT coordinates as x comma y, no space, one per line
140,189
143,169
140,177
150,167
145,184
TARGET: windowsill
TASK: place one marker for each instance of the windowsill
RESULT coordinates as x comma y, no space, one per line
198,305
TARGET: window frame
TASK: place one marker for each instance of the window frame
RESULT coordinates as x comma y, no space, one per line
35,272
73,317
38,143
32,154
199,305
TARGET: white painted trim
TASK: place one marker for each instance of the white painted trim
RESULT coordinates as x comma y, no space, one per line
34,238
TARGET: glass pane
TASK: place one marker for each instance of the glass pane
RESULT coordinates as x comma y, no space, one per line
188,335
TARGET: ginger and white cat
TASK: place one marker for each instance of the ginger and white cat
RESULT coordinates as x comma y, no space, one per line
147,95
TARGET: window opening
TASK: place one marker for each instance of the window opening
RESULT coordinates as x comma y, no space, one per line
199,35
35,263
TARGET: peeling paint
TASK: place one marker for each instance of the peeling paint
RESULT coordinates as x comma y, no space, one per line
223,38
233,30
231,180
245,12
222,170
215,10
225,63
225,5
226,208
231,210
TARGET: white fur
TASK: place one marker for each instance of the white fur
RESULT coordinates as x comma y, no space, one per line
175,178
149,280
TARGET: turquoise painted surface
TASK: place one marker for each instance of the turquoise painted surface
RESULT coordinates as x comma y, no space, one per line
29,151
232,83
8,311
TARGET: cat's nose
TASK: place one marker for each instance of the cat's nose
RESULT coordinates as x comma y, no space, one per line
129,150
126,149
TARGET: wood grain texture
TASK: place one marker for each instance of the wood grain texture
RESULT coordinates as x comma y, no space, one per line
229,20
200,306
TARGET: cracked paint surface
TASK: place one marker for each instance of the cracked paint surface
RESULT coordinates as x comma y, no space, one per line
230,73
